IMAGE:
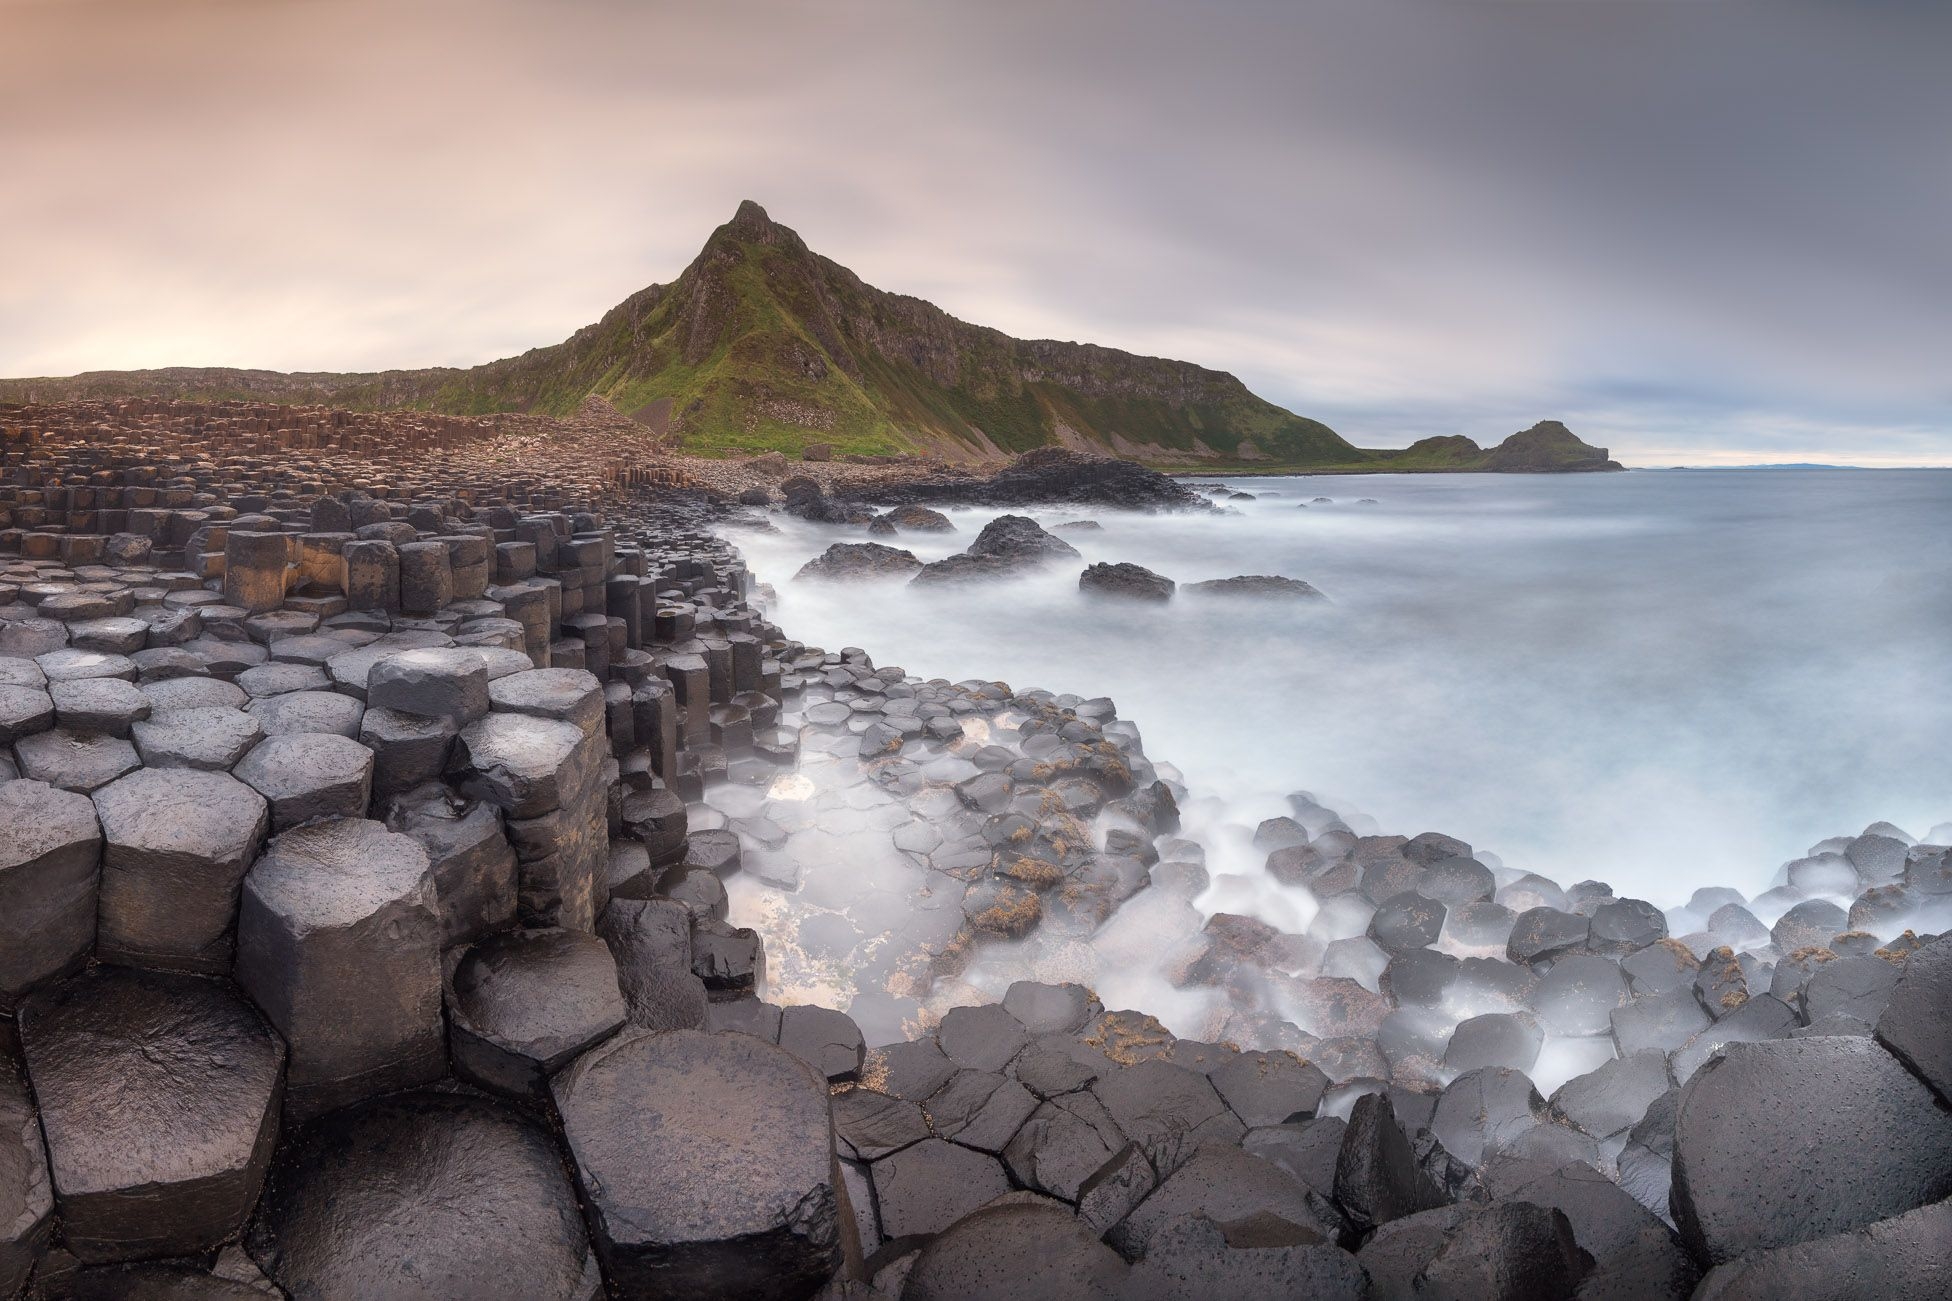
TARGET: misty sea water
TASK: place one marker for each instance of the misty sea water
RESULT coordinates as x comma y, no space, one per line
1658,679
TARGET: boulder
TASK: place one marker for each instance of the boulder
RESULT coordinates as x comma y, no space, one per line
1777,1143
919,519
856,561
1256,587
1125,582
1019,537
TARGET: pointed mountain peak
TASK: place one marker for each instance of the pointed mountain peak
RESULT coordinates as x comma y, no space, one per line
751,225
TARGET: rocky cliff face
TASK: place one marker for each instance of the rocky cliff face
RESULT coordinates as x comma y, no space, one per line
762,343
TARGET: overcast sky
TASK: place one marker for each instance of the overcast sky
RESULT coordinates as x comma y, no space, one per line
1695,231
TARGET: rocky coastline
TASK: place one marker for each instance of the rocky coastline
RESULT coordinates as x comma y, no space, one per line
425,870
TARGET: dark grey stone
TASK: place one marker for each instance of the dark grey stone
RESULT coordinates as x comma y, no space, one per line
176,846
1012,1252
651,942
1225,1184
1377,1178
424,1194
1780,1142
338,940
309,775
707,1164
50,873
159,1097
1905,1258
1916,1024
524,1003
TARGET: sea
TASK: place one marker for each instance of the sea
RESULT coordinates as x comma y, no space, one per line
1660,679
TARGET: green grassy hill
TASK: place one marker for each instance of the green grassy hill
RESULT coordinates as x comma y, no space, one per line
762,344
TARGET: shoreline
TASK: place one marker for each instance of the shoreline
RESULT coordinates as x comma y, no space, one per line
556,862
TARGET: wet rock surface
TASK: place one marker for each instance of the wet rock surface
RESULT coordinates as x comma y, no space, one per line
423,1194
159,1097
707,1163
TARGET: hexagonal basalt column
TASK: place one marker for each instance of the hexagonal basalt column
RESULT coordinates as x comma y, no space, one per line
707,1162
50,872
26,1196
177,844
524,1003
338,940
159,1097
254,569
425,1194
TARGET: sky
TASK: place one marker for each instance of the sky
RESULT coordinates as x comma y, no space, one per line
1697,232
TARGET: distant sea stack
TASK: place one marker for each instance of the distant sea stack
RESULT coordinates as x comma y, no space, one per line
1546,448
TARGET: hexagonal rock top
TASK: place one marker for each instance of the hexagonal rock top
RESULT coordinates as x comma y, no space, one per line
1793,1139
526,1002
523,764
178,842
338,940
566,695
424,1194
310,775
159,1097
213,739
432,682
707,1164
50,864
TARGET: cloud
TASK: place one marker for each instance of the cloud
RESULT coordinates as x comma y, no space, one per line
1689,225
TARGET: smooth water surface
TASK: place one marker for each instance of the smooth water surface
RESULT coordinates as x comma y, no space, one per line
1660,679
